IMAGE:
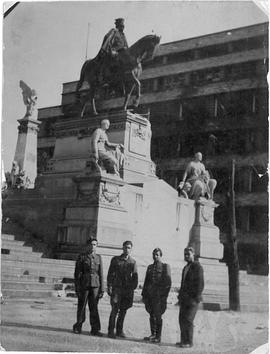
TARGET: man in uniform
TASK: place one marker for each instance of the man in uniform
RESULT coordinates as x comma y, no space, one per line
122,280
89,287
113,43
115,40
155,292
190,295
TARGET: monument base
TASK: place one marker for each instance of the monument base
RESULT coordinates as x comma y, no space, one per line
97,211
204,235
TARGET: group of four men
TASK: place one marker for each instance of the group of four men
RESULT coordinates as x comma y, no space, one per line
122,280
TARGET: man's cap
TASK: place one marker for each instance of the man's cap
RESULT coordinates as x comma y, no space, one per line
189,249
90,240
119,21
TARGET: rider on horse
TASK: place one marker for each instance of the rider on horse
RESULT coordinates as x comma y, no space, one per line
114,42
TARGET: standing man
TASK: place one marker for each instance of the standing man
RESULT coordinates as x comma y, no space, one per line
122,280
89,287
155,291
190,295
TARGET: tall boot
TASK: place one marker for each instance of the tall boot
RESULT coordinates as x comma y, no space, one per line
158,332
153,330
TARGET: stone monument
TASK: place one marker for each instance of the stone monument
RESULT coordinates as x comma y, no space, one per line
24,166
102,182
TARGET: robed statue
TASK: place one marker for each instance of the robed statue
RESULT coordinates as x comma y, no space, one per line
196,181
117,65
106,155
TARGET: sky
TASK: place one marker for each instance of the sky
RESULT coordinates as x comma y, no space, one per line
44,43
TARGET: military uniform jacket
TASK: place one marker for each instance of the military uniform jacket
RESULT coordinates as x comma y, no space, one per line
89,272
122,273
192,282
157,281
114,40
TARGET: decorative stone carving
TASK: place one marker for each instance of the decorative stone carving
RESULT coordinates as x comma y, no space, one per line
26,126
109,195
87,190
205,215
139,132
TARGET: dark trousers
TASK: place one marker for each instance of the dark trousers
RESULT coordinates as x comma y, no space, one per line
121,301
90,296
187,313
156,306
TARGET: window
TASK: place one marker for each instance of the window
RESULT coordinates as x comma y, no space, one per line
258,220
164,60
181,117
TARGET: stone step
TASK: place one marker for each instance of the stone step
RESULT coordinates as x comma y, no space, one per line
24,285
11,293
29,278
52,261
58,262
22,256
251,279
32,269
11,243
254,307
7,237
15,245
41,263
244,298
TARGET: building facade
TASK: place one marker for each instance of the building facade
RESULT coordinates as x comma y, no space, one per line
206,94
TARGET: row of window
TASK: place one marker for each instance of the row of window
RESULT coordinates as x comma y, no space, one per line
221,110
253,69
235,141
211,51
190,81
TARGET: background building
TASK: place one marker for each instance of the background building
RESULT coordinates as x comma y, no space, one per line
205,94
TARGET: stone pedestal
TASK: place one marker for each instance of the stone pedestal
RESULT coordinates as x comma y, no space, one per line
97,211
26,149
204,235
133,131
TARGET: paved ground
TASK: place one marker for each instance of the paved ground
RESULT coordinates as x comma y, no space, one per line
45,325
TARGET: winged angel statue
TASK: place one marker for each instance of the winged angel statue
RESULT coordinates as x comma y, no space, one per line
29,98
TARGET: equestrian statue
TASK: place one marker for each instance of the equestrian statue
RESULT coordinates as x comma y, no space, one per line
117,65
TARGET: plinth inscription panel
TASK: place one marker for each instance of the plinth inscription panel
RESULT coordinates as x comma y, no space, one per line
138,139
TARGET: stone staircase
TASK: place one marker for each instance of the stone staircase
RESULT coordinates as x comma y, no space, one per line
27,274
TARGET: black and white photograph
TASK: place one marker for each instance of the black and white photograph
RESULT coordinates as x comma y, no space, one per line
134,177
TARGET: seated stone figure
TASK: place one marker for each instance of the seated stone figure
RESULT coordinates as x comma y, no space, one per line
108,156
196,181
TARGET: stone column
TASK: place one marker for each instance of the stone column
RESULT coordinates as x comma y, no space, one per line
26,150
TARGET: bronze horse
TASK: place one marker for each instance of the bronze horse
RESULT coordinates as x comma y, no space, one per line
122,72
